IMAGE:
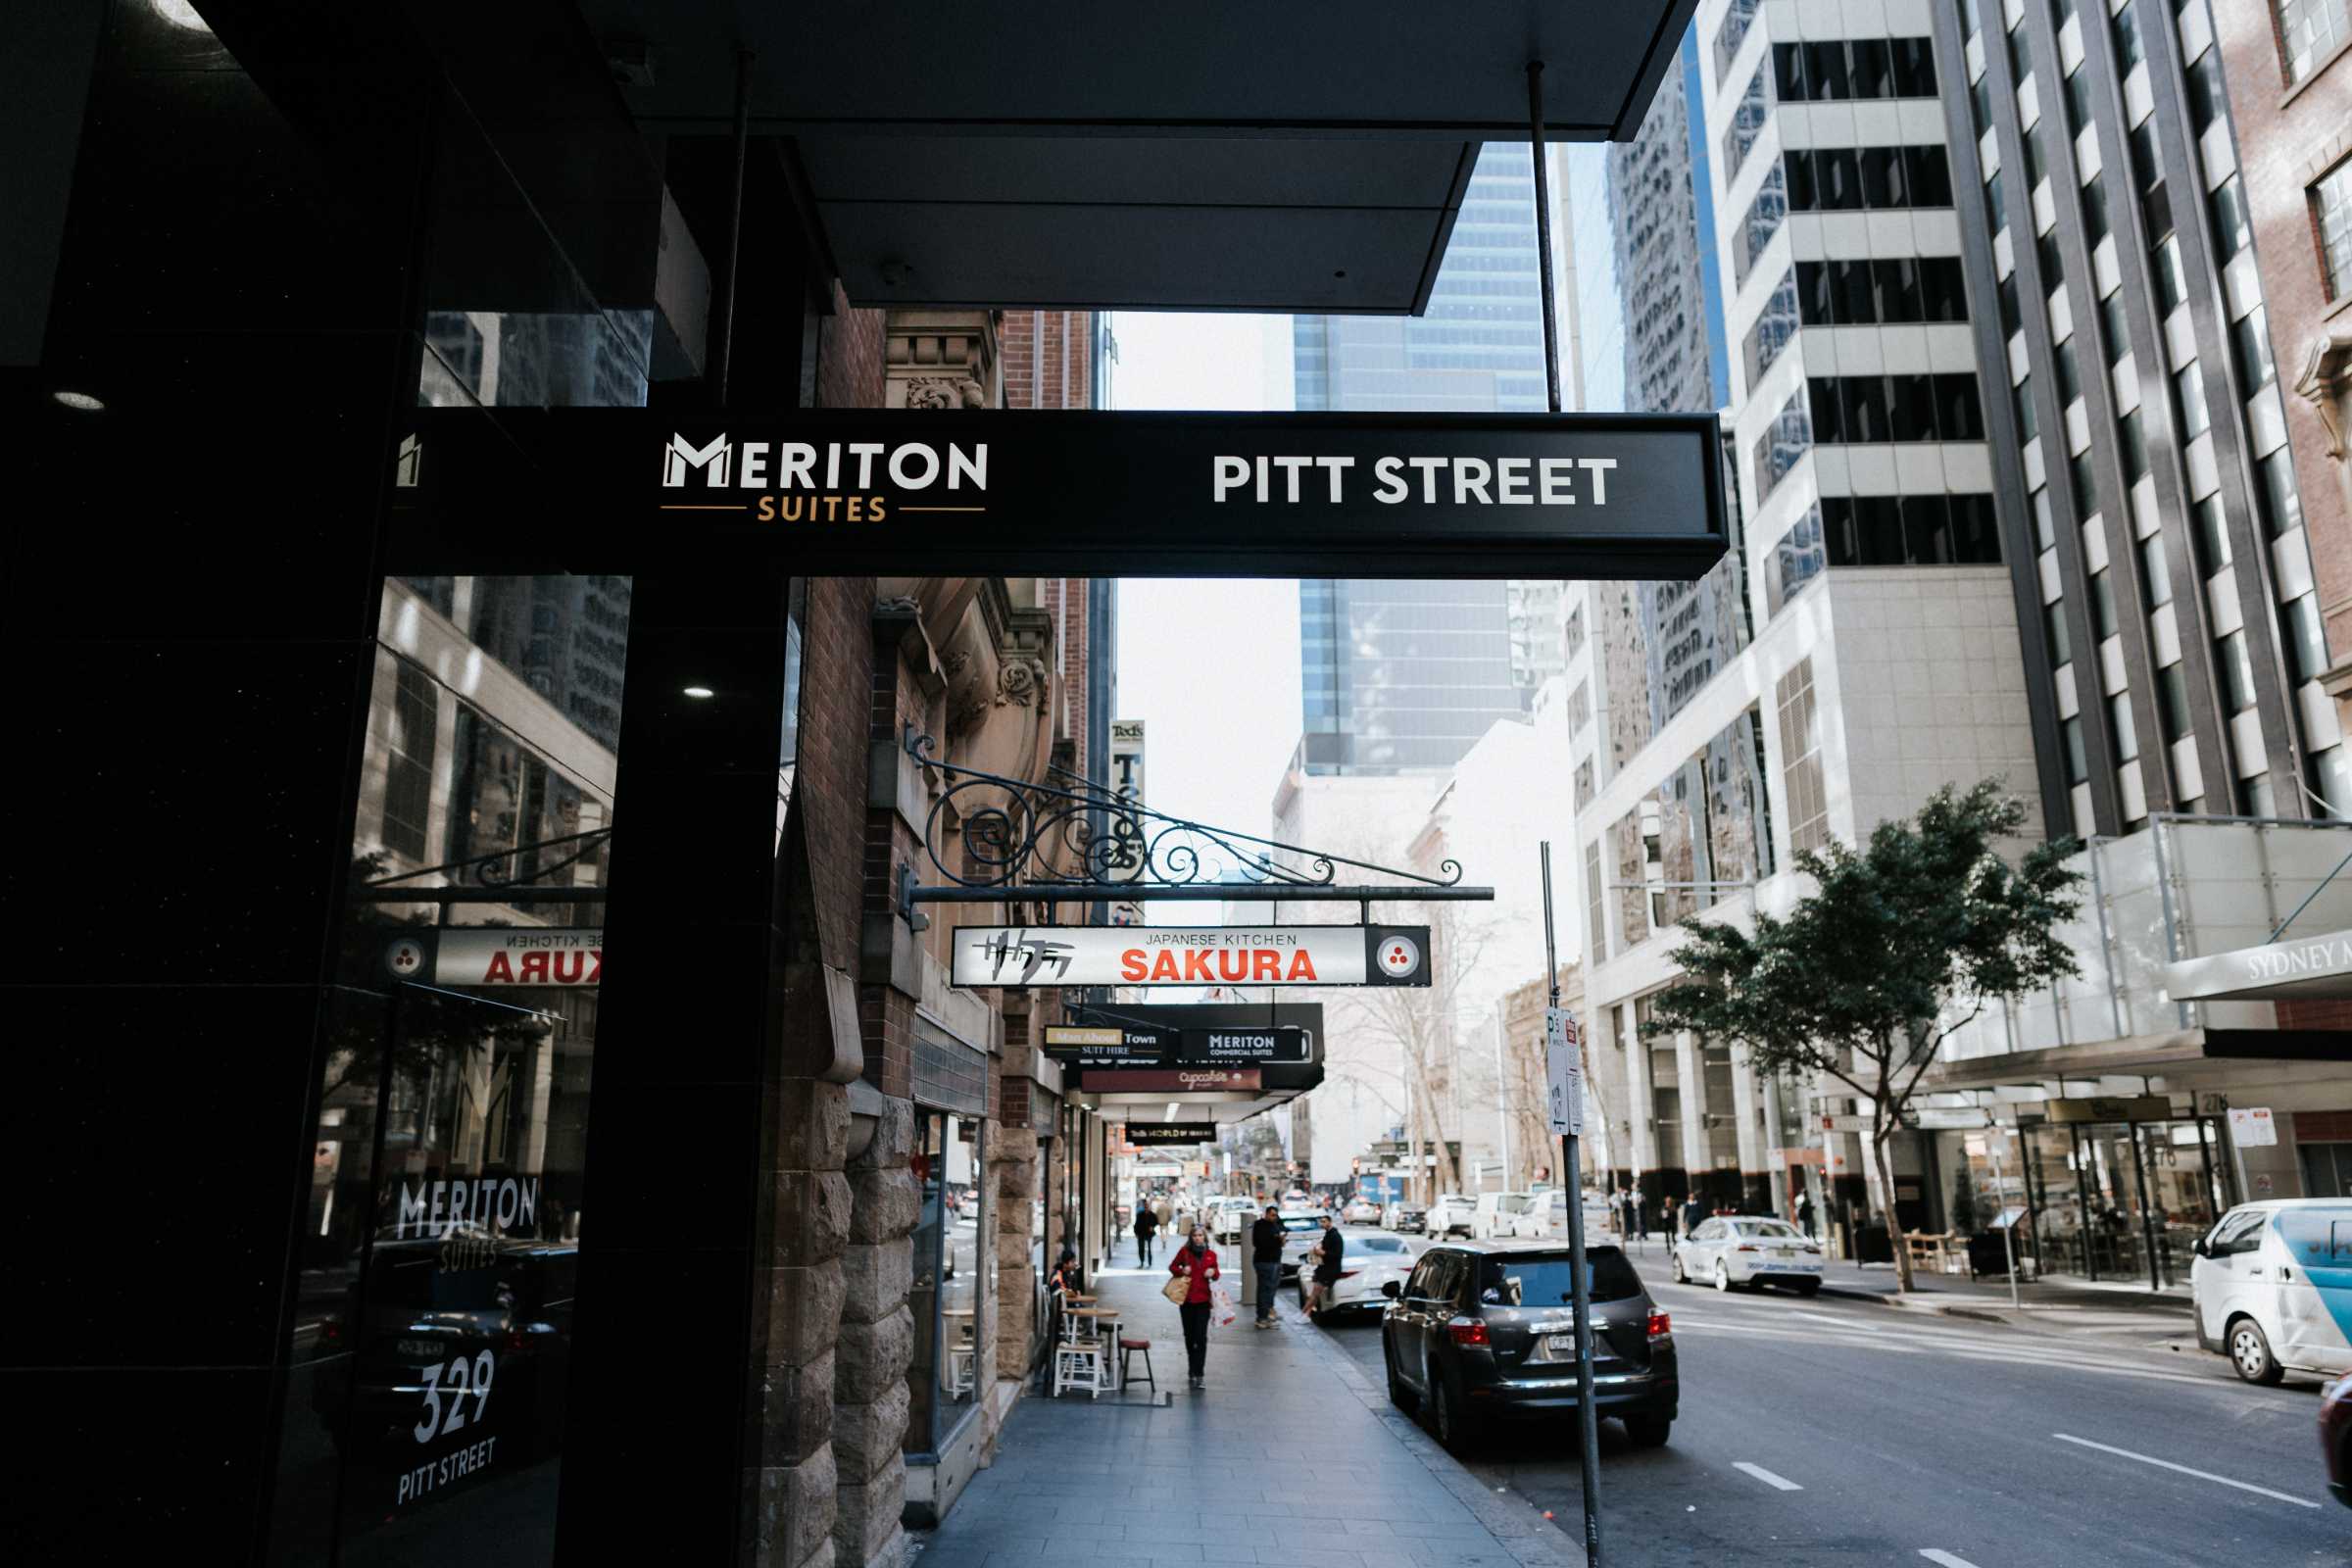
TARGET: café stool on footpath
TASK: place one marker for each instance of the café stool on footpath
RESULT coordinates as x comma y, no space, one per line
1080,1362
1128,1351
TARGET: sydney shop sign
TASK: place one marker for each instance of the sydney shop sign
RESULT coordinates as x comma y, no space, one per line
1017,956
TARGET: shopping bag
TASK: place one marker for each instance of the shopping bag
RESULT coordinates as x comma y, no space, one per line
1222,1310
1177,1289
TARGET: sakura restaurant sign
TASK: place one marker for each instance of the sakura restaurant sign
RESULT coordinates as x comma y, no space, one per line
498,956
1017,956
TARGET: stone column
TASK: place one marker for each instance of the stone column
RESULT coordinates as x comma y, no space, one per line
1691,1074
793,1495
1015,1162
1640,1105
1753,1166
877,1342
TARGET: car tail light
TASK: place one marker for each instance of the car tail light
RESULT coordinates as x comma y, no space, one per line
1661,1326
1749,1246
1471,1331
330,1334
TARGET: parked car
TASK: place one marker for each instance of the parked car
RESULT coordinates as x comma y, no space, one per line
1230,1217
2335,1437
1598,1221
1733,1250
2268,1284
1407,1217
1372,1258
1451,1214
1481,1332
1361,1211
1502,1215
1300,1228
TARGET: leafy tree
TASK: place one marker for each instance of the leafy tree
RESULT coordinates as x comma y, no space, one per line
1899,945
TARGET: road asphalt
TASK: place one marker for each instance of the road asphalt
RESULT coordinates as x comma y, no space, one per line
1833,1430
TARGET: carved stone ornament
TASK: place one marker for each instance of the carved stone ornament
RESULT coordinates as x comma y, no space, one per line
941,392
2326,371
1018,681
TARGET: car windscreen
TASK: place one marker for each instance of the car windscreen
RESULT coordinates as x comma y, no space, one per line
1548,1280
1302,1222
1768,1227
1375,1243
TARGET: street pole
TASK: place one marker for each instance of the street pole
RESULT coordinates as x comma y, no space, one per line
1566,1119
2000,1173
1502,1116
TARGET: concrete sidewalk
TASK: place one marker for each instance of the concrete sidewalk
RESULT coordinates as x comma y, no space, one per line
1290,1456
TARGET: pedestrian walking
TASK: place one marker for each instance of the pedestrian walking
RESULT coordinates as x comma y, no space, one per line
1195,1262
1328,1253
1265,1255
1694,1214
1805,1211
1632,1201
1147,1226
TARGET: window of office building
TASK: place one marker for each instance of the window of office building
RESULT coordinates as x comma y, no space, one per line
2332,223
1784,442
1765,215
1596,929
1801,775
2281,505
1909,530
2309,33
1871,293
2053,620
1731,31
2300,639
2233,222
2153,571
1868,408
2172,700
2250,337
2077,760
1794,562
1776,324
2235,670
1830,180
2212,534
1747,123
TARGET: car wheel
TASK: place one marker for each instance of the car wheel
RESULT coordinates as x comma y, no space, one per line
1649,1430
1399,1396
1681,1276
1722,1275
2250,1353
1454,1430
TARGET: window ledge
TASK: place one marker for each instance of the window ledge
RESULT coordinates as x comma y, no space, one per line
2315,73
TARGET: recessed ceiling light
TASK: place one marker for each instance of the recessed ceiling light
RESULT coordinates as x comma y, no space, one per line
180,13
699,691
79,399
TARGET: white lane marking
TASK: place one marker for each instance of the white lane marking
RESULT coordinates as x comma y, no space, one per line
1767,1476
1841,1322
1938,1554
2201,1475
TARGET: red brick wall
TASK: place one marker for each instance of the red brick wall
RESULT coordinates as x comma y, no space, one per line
2286,138
2323,1126
2314,1014
829,779
1046,354
850,355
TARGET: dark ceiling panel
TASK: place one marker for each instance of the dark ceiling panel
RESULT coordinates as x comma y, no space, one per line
1197,257
1224,154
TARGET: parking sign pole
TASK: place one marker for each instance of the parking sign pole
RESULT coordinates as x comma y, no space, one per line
1567,1116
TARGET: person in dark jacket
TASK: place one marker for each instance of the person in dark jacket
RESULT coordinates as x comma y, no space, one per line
1265,1255
1147,1226
1328,1254
1694,1214
1196,1261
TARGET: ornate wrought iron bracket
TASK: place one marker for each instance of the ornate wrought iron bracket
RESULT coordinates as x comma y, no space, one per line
1074,840
493,872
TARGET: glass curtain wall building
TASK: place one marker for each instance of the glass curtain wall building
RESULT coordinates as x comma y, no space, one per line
1405,678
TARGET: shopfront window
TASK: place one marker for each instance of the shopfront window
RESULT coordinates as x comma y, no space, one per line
431,1345
948,1297
2121,1201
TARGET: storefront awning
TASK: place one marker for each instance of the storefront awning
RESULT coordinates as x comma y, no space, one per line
1221,155
2308,966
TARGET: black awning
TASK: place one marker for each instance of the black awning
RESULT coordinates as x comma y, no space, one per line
1215,156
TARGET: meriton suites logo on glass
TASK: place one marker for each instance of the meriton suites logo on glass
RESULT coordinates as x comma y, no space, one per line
788,472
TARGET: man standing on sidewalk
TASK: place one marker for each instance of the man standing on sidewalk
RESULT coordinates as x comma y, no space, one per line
1146,1224
1265,1254
1694,1214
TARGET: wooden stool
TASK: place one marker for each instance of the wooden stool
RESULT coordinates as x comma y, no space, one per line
1127,1348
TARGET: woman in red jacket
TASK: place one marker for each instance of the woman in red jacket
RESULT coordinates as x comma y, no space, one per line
1196,1261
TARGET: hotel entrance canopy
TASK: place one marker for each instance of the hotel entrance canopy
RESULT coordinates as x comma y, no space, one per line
2306,966
1222,155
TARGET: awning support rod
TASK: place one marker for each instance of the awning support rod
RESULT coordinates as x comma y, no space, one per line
1551,326
1198,891
2306,904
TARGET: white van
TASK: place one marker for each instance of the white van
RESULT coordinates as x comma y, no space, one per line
1451,1214
2271,1287
1503,1215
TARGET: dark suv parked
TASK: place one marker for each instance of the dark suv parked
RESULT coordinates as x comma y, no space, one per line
1483,1331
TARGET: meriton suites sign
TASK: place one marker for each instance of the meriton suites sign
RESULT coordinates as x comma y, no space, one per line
1075,492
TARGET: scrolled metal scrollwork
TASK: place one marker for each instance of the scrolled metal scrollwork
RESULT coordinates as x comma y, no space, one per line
1073,832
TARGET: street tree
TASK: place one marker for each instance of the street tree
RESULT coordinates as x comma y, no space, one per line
1899,945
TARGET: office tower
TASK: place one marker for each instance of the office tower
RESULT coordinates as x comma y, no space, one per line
2171,627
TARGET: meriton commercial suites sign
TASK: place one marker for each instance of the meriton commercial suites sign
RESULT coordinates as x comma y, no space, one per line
1132,494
